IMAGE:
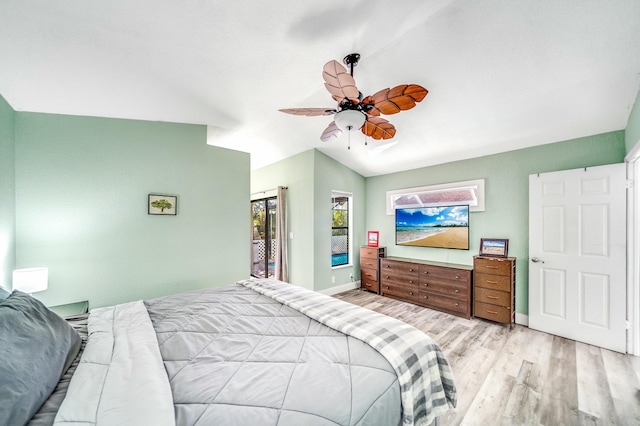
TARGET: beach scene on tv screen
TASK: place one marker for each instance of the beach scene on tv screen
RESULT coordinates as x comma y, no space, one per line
442,227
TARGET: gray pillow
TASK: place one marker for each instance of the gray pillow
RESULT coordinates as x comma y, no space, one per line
3,293
36,348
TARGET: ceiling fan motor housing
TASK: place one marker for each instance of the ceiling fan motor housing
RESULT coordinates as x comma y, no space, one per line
356,106
352,60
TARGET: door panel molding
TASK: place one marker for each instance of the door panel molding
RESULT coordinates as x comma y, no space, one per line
594,292
554,293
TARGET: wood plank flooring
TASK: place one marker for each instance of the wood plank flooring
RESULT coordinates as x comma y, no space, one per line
522,376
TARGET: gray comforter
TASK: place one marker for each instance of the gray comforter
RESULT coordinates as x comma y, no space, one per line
237,356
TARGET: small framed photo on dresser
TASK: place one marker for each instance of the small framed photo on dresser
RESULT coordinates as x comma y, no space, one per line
494,247
372,238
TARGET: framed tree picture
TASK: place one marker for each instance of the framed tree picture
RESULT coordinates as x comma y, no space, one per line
162,204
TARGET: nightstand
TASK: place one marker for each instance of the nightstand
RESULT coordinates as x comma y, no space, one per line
71,309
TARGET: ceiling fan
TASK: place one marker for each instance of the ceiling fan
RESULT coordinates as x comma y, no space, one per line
356,112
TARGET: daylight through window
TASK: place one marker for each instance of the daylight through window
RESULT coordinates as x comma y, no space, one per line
449,194
340,228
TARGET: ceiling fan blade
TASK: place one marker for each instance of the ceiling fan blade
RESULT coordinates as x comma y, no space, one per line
331,132
339,82
309,111
392,101
378,128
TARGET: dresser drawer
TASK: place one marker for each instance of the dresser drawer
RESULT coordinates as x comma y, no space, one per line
493,297
439,274
492,312
366,262
371,252
399,277
405,292
399,267
371,274
493,266
369,284
439,301
457,290
495,282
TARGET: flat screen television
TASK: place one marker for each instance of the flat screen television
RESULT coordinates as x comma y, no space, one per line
441,227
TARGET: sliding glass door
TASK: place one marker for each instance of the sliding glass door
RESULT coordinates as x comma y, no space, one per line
263,245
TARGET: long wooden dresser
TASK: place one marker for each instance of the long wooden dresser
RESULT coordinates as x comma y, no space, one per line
442,286
494,288
369,266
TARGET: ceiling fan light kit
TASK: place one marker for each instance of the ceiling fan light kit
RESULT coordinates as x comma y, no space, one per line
356,112
349,119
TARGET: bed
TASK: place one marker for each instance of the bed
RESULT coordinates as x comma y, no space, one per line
259,352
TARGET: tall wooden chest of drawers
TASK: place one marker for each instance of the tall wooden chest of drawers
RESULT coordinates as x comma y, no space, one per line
369,267
442,286
494,288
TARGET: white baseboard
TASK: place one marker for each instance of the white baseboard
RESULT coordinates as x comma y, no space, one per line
522,319
341,288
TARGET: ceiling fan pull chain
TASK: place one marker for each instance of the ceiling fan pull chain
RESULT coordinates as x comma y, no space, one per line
349,137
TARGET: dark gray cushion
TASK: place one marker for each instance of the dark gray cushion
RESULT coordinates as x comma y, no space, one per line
36,348
3,293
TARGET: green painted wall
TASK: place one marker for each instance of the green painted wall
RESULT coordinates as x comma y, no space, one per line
632,132
296,173
7,194
81,208
506,197
329,176
73,198
310,177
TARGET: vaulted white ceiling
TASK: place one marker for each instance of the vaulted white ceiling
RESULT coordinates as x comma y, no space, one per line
501,74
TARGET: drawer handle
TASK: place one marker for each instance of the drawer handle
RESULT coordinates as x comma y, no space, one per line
410,269
492,312
410,281
457,277
457,291
491,267
492,297
386,276
426,284
426,272
387,266
457,304
488,282
386,287
426,297
410,293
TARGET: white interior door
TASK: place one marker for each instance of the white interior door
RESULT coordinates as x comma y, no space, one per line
577,255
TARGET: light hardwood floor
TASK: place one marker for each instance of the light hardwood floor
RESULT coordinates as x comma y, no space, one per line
522,376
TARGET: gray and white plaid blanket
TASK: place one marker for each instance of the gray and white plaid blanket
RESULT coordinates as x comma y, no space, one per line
426,380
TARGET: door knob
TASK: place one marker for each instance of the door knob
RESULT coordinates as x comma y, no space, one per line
536,260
